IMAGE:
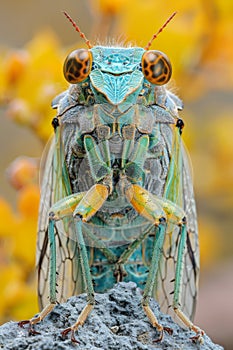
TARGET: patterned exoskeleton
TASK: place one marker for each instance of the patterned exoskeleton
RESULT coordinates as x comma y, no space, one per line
117,200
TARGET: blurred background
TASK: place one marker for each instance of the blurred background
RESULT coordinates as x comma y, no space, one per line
35,38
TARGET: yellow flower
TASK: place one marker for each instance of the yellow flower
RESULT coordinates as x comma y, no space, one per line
23,171
17,255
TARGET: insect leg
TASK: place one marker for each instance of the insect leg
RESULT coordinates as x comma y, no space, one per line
178,285
65,206
83,204
86,208
88,281
128,132
99,168
173,186
151,279
91,202
52,284
155,210
58,211
150,206
134,167
103,132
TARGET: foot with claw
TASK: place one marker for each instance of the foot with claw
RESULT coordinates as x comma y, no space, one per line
160,338
68,330
31,330
198,338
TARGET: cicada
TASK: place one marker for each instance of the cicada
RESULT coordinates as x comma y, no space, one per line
117,200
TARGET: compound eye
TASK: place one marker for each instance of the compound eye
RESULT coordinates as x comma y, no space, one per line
156,67
77,66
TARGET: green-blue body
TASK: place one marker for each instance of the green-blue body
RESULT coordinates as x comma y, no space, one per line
117,125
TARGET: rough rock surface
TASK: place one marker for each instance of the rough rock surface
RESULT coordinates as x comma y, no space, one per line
117,322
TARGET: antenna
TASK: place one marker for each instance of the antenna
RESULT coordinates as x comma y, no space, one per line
76,27
159,31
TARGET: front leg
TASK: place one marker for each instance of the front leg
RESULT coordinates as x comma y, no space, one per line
90,203
83,206
155,210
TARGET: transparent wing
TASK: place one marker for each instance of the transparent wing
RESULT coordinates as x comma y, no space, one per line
55,185
191,262
180,190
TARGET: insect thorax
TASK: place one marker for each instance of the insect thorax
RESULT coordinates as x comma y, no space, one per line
116,106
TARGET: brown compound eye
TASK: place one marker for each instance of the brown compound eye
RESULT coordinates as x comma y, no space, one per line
156,67
77,66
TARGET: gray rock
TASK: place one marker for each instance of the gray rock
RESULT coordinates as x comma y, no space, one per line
117,322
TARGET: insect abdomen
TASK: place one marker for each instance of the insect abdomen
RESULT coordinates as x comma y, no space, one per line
106,274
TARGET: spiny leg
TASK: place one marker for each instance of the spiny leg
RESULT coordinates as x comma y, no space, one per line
91,202
60,171
48,308
88,281
151,279
83,205
154,209
178,286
